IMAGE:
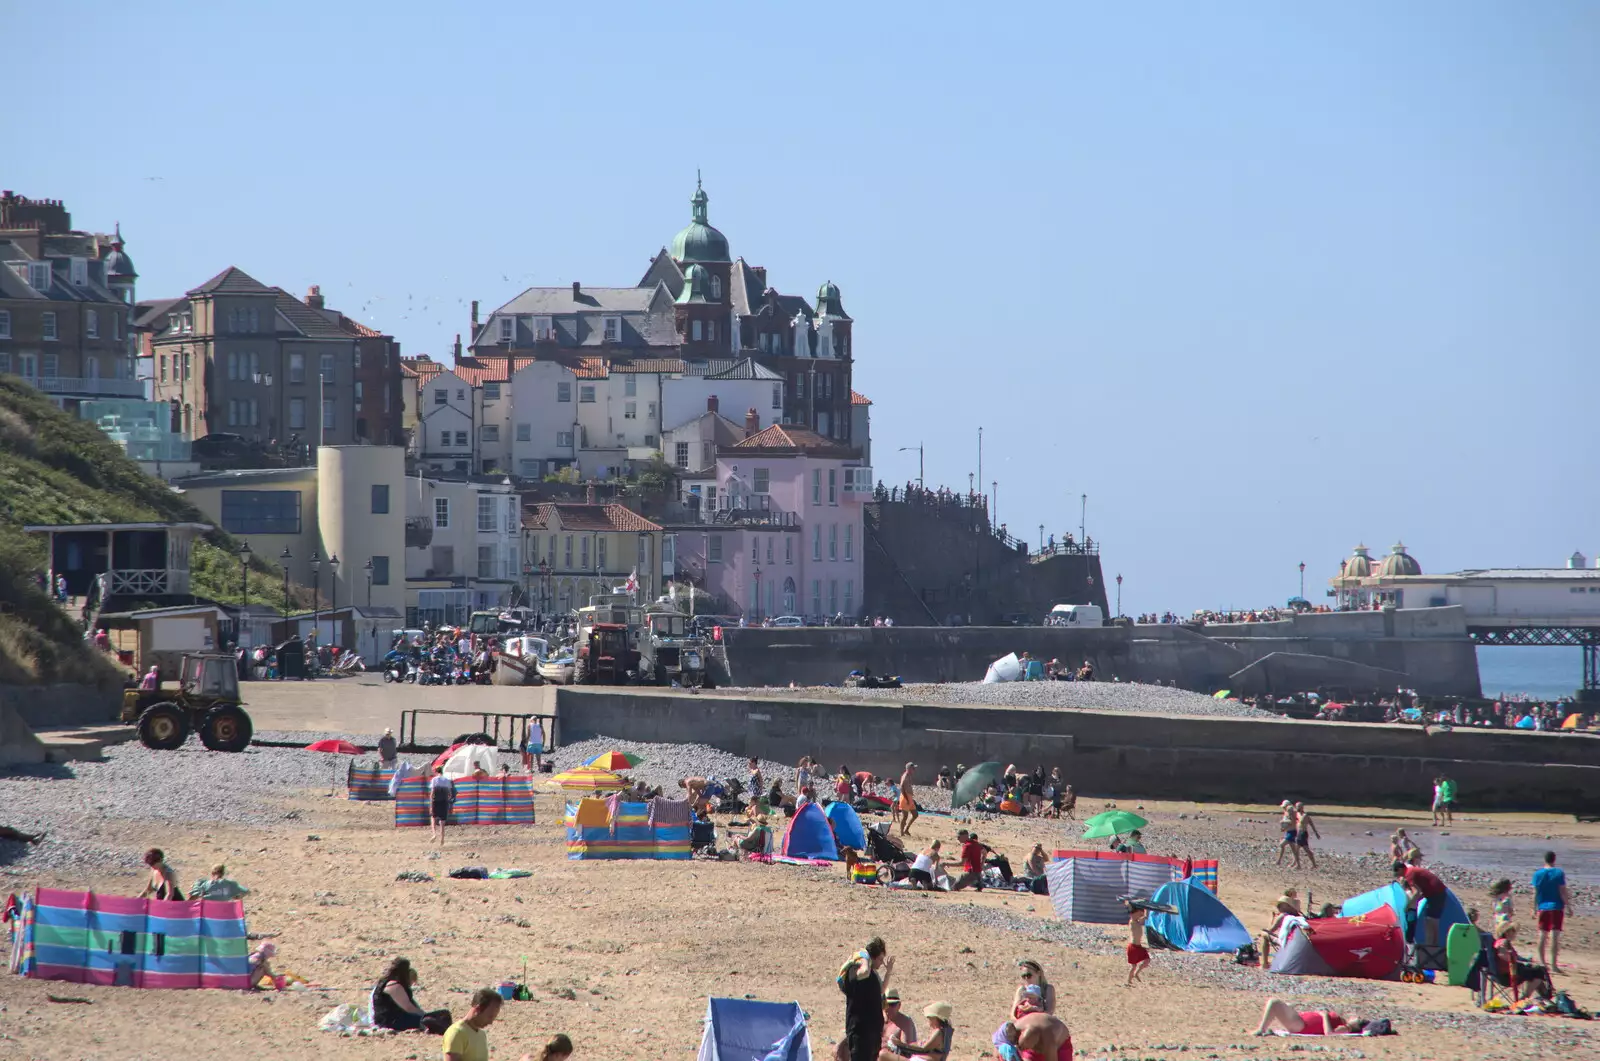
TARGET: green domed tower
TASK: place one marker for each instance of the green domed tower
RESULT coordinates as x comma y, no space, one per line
704,324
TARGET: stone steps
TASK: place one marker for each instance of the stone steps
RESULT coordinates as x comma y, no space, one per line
84,743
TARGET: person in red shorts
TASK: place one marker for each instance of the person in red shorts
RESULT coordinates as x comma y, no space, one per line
1277,1014
1043,1036
1138,956
1551,896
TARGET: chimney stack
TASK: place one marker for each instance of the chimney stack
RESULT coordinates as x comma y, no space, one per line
577,289
711,403
761,275
314,296
588,495
474,332
752,422
457,348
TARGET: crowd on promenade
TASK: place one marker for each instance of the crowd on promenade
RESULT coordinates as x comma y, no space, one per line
1406,708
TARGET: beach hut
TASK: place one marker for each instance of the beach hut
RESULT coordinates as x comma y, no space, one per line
740,1029
809,835
1202,923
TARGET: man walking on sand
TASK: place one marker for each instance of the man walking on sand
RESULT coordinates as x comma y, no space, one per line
907,810
1550,897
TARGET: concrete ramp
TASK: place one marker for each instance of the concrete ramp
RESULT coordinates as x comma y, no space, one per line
1291,672
19,746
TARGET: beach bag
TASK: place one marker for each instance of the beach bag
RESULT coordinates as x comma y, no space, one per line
1381,1026
844,971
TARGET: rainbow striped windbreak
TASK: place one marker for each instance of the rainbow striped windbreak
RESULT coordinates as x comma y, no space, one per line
1203,870
368,781
110,940
492,801
632,836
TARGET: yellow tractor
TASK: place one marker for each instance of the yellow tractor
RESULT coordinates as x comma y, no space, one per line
207,701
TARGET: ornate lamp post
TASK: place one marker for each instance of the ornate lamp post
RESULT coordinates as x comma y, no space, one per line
758,591
283,562
367,567
1119,596
1302,580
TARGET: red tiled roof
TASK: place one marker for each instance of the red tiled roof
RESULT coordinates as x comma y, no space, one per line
592,368
421,367
478,371
608,517
792,438
857,398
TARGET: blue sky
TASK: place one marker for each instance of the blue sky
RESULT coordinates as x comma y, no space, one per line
1261,280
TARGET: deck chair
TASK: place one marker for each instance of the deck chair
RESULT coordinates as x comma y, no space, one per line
1487,981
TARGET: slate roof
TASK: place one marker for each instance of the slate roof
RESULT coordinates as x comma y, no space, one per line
746,368
146,314
791,438
60,289
232,281
724,432
309,322
646,312
669,365
574,517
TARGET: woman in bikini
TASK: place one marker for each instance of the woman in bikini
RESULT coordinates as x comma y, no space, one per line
163,882
1032,974
937,1043
1277,1014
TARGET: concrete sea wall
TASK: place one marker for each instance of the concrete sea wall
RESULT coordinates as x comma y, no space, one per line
1116,753
1424,649
63,706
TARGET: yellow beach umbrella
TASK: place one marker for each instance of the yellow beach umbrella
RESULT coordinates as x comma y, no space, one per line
1572,721
590,779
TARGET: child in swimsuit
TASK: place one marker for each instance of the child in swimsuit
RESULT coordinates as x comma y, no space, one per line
1138,956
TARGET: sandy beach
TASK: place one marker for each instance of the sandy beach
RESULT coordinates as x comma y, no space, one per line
622,955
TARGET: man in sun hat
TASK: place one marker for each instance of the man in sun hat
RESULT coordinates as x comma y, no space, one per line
897,1024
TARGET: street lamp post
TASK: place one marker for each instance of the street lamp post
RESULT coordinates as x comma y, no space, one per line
316,592
1119,596
758,592
1083,519
994,511
545,602
367,567
283,562
1302,580
333,591
1041,537
918,448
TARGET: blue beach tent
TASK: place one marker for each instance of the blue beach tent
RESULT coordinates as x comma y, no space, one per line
847,828
742,1030
1201,924
1393,896
809,835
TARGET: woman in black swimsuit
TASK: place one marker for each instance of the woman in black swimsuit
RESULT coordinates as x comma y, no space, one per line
394,1006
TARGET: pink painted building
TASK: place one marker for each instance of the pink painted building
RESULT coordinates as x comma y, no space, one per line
779,531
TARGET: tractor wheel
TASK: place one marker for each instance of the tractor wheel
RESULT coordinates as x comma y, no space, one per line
163,727
226,728
577,671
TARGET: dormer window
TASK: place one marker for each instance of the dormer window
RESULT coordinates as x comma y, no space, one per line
543,328
613,329
39,276
508,327
80,272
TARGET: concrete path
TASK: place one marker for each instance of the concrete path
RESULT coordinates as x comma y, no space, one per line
365,704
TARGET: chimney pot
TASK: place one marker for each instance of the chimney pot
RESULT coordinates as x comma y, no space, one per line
576,289
314,296
752,422
474,320
711,403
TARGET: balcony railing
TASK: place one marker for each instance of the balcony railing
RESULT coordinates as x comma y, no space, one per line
97,388
678,512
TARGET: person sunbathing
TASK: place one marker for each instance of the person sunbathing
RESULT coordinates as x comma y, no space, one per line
1277,1014
1526,978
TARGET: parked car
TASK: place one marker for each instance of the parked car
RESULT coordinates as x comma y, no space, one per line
788,621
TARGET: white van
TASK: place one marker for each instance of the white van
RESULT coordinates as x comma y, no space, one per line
1076,615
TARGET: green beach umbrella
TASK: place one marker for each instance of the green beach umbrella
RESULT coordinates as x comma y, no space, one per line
1112,823
970,785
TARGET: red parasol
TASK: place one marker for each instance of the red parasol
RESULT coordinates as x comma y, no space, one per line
339,747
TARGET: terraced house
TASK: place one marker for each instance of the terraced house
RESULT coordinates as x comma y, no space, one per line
235,356
66,304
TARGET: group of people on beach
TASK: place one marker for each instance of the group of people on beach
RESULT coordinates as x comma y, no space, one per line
876,1027
393,1005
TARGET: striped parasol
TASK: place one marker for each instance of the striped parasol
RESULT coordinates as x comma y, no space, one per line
615,761
590,779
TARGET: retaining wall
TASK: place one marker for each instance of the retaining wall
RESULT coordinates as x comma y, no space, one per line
1118,753
62,706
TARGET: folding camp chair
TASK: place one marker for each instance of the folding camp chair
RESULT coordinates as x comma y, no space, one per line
1487,981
